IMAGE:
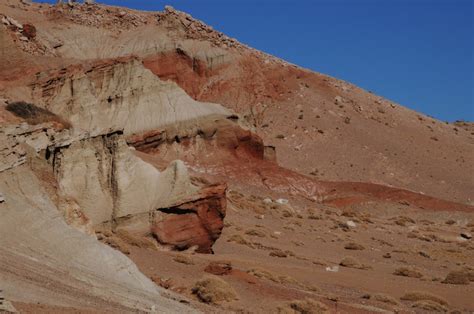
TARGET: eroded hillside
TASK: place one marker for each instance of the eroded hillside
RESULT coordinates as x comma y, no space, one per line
127,136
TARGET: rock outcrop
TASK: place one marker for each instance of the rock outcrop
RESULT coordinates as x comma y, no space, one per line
65,267
72,181
120,95
197,221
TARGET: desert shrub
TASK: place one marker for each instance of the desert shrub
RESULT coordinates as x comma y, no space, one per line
403,220
212,289
265,274
385,298
134,240
354,246
430,306
408,272
183,259
237,238
423,296
457,277
257,233
306,306
278,253
470,273
351,262
34,114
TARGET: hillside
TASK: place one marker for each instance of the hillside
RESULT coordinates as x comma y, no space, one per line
133,135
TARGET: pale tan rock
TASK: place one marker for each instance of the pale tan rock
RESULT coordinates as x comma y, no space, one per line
59,259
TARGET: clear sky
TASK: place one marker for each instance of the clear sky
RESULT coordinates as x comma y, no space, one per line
418,53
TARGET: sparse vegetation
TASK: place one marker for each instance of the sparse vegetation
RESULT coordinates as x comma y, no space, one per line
457,277
423,296
430,306
265,274
278,253
306,306
403,220
212,289
385,299
351,262
257,233
138,241
183,259
237,238
354,246
408,272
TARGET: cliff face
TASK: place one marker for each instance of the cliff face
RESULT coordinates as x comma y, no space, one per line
65,267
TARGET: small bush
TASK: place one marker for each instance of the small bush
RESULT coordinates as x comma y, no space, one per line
351,262
183,259
457,277
423,296
403,220
257,233
237,238
306,306
265,274
212,289
385,299
354,246
408,272
278,253
430,306
34,115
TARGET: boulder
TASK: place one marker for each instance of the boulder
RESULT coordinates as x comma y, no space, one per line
195,222
29,31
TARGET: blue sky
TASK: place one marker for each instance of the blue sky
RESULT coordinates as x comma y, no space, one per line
418,53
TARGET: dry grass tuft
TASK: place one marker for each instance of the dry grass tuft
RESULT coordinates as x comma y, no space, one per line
265,274
237,238
408,272
423,296
306,306
385,299
351,262
183,259
135,240
403,220
212,289
278,253
257,233
430,306
354,246
457,277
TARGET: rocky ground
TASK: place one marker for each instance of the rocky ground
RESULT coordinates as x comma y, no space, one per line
154,164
